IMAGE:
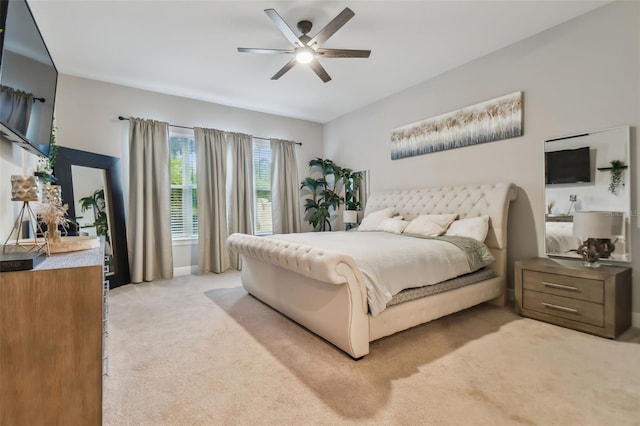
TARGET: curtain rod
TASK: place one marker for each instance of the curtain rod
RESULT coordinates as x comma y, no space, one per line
191,128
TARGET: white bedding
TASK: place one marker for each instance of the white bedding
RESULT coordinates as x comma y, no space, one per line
390,262
559,237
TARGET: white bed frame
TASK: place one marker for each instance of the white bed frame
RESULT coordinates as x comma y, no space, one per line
324,290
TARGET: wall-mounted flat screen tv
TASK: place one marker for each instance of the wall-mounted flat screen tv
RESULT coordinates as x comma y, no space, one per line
568,166
28,79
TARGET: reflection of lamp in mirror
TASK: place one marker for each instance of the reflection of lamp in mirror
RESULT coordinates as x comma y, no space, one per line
25,189
350,218
596,228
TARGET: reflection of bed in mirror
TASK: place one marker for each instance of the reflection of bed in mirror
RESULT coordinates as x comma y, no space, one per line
575,181
560,238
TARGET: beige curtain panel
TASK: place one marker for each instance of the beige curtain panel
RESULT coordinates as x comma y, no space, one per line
15,108
285,199
240,193
150,249
211,151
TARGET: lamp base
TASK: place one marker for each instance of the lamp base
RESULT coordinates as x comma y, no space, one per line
42,245
593,249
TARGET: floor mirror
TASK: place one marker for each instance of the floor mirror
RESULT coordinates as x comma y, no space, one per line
92,187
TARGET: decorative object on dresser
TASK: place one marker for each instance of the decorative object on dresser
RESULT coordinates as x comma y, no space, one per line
565,293
492,120
52,331
596,229
25,189
55,214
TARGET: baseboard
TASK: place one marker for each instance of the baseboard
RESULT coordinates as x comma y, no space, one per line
185,270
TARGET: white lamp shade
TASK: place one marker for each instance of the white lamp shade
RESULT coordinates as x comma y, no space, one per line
24,188
350,216
597,224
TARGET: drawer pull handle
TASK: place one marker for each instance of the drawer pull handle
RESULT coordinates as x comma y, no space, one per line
560,286
558,307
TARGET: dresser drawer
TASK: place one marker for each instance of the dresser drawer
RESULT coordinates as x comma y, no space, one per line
564,285
564,307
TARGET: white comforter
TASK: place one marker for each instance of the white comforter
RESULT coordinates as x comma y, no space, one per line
559,237
390,262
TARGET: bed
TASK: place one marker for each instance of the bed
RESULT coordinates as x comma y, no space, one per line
325,290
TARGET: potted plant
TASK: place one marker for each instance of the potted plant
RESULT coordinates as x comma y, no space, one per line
351,181
616,176
46,165
324,192
97,203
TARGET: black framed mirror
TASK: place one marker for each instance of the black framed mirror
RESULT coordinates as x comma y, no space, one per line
102,202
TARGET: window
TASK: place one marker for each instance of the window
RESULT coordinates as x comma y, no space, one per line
262,185
184,202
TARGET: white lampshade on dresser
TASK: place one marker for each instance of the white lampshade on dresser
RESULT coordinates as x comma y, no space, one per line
597,224
596,228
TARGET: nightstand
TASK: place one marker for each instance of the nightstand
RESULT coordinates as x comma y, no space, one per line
566,293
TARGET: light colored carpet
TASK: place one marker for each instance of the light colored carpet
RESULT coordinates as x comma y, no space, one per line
200,350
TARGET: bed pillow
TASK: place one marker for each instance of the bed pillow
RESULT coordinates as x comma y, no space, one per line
392,225
472,227
430,225
371,221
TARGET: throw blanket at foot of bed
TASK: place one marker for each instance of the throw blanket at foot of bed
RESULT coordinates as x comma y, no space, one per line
325,290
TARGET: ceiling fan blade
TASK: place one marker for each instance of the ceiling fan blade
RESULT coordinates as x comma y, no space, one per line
332,27
284,69
267,51
319,69
283,27
343,53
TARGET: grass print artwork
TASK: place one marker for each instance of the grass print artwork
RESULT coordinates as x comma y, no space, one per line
493,120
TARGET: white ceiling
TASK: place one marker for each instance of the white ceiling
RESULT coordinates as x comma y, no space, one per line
188,48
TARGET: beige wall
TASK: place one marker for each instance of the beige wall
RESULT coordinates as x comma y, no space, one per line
87,118
580,76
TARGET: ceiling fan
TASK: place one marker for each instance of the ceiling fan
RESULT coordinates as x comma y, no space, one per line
307,50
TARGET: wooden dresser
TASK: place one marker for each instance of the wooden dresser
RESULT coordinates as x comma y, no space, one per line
566,293
52,324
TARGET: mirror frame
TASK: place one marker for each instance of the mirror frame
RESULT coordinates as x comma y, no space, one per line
595,167
68,157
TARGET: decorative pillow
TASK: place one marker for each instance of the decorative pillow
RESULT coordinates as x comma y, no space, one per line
472,227
371,221
392,225
430,225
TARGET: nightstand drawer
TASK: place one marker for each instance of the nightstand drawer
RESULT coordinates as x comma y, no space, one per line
564,307
564,285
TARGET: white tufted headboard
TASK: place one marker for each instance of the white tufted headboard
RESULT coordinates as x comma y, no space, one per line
467,201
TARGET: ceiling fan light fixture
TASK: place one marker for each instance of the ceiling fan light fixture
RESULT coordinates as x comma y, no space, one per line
304,56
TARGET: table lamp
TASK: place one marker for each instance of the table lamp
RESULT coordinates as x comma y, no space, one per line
25,189
596,228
